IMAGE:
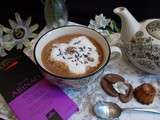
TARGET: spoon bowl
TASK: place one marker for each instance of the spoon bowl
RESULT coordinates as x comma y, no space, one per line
107,110
110,110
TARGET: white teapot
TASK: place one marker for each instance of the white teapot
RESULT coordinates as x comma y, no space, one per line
141,41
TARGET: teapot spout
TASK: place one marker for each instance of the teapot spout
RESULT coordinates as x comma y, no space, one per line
129,24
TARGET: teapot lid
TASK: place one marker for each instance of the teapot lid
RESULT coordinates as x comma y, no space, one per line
153,28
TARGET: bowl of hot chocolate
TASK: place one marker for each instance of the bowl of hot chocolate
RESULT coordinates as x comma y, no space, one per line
72,55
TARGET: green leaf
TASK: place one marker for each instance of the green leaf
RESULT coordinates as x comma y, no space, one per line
116,29
112,25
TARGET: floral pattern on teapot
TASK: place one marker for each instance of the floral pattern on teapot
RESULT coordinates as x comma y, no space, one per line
153,28
143,53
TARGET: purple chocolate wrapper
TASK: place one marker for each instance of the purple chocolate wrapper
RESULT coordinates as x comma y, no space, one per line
41,99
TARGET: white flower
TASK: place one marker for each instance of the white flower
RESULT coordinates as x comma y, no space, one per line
92,24
20,32
101,21
99,24
105,27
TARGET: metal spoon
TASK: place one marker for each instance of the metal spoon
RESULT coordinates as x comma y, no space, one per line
109,110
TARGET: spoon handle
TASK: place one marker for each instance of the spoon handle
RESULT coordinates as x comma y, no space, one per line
142,110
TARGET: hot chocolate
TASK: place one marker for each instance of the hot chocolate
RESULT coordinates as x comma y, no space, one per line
72,56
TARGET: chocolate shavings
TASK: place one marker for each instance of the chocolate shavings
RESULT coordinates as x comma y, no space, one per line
90,49
64,57
90,59
69,58
60,53
85,55
71,50
77,42
81,49
85,62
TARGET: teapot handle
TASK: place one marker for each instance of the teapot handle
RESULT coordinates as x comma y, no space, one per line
116,54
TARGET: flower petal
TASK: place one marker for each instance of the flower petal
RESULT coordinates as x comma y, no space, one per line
92,22
34,27
1,30
2,52
9,45
108,21
12,23
101,21
34,35
28,22
6,30
7,37
105,33
19,46
1,41
18,19
27,43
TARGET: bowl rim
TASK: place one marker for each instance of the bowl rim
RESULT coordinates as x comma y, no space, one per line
72,78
